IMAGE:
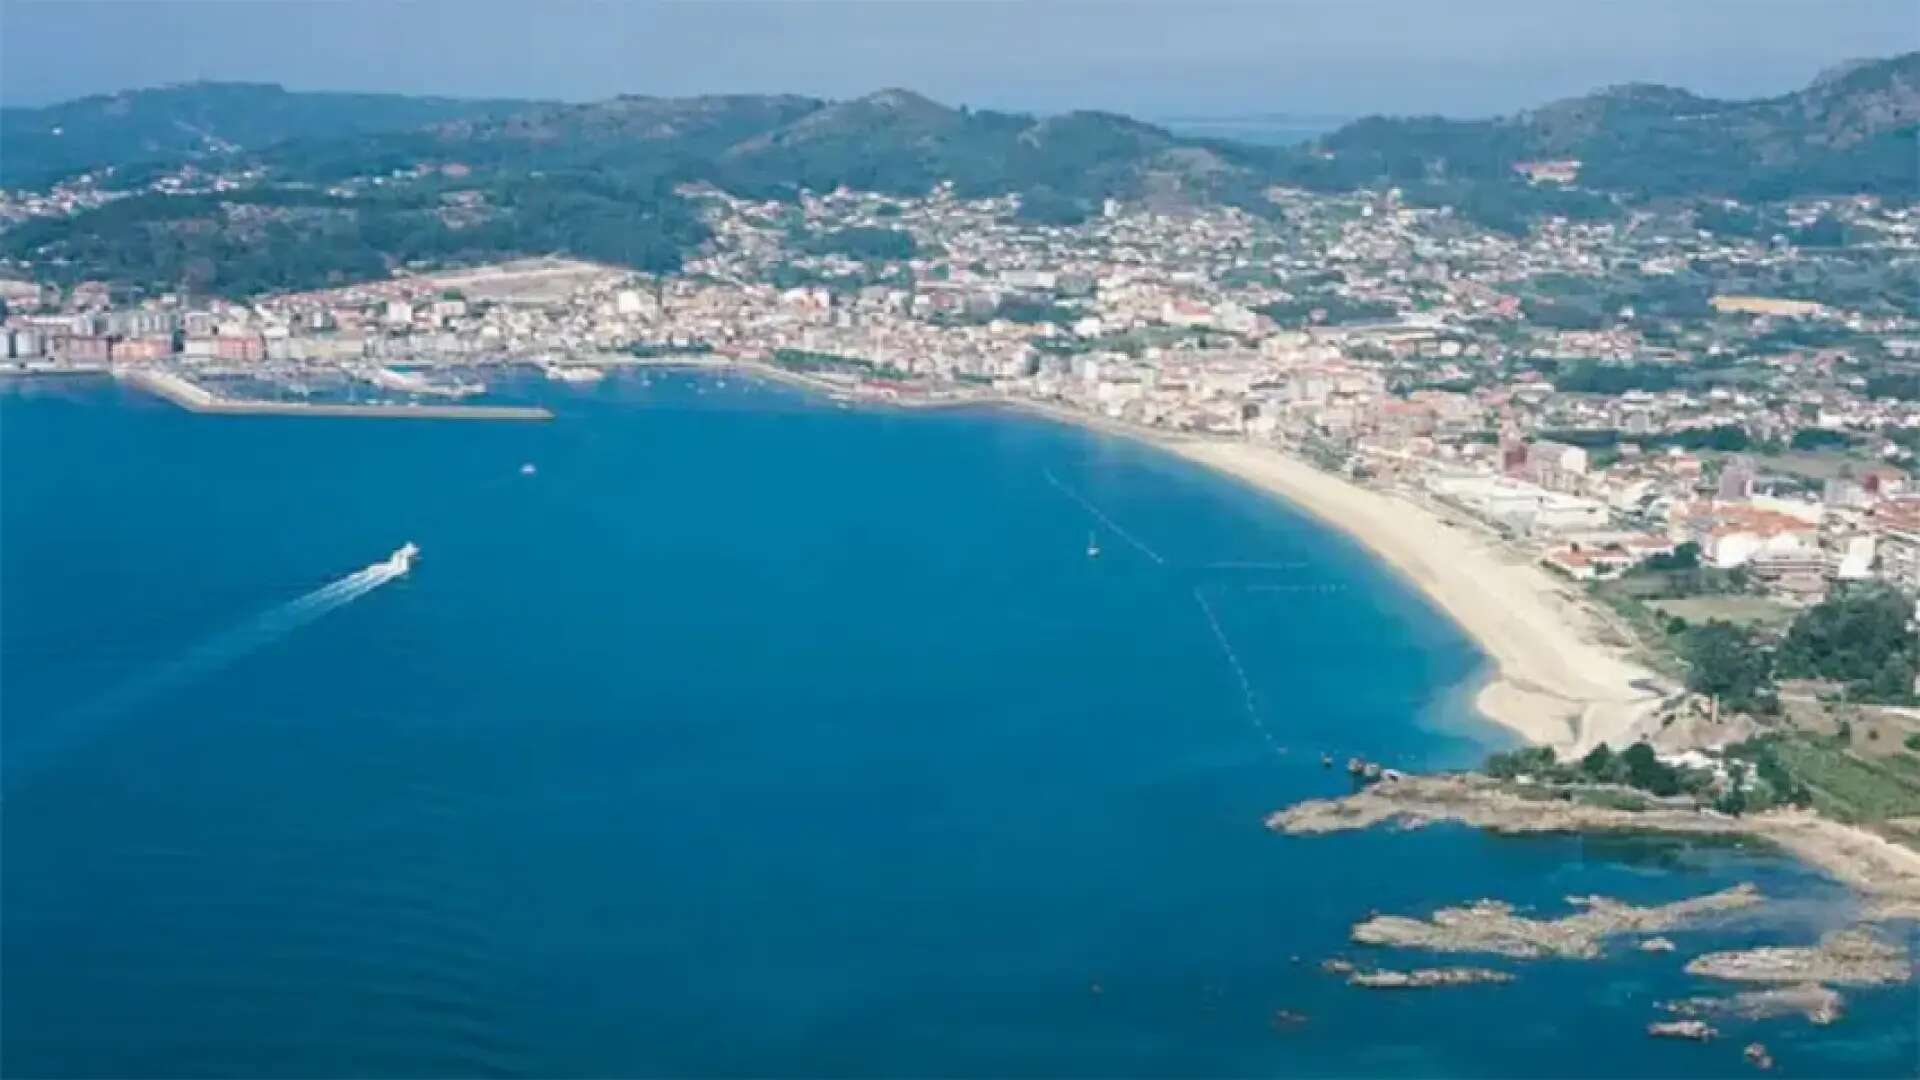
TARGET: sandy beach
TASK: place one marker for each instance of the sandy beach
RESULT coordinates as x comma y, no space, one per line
1555,682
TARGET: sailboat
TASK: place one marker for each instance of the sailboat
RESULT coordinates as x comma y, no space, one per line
1093,546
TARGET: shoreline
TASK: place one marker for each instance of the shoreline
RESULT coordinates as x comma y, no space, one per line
1883,874
1547,677
1548,680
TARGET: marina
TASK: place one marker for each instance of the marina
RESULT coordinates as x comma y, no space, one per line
196,398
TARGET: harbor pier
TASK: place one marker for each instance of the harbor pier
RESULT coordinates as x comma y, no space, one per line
196,398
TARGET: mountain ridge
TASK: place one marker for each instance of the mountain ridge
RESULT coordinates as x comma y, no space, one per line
355,185
180,122
1639,139
1848,132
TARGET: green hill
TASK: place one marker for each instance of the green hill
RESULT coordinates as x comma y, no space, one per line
596,180
493,178
893,141
171,124
1852,132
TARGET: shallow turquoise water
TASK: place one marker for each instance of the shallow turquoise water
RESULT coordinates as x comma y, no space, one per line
749,735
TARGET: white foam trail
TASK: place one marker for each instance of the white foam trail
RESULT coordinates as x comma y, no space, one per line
205,659
1239,673
1112,525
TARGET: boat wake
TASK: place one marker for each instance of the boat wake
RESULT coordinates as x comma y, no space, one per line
205,659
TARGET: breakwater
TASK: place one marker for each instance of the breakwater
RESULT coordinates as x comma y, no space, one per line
195,398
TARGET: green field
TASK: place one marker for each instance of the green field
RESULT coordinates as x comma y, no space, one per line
1849,788
1731,607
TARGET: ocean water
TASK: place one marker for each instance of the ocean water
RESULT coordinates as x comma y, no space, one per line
749,735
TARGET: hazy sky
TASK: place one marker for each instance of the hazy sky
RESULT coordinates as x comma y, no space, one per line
1338,57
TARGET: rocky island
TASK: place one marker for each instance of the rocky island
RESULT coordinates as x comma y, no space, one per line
1819,1004
1490,926
1856,957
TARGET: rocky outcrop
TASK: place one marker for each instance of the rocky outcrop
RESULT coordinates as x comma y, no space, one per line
1481,801
1423,978
1697,1030
1490,926
1885,874
1819,1004
1855,957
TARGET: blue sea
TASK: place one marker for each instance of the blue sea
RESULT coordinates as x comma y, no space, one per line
750,735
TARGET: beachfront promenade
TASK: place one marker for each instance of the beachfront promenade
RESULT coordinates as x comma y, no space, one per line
195,398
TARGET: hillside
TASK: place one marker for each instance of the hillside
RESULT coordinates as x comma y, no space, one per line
595,180
477,179
1852,131
171,124
893,140
898,141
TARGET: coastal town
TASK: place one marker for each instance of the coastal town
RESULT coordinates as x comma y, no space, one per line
1627,456
1717,415
960,540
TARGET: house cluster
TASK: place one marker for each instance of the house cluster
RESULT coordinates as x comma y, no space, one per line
1399,344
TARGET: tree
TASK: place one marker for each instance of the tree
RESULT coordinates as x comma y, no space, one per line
1529,761
1894,680
1602,765
1045,206
1862,637
1724,660
1647,772
1594,377
1825,231
862,242
1734,800
1819,438
1022,309
1684,556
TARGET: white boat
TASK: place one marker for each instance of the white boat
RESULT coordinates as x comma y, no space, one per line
1093,546
528,469
574,373
401,561
411,382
